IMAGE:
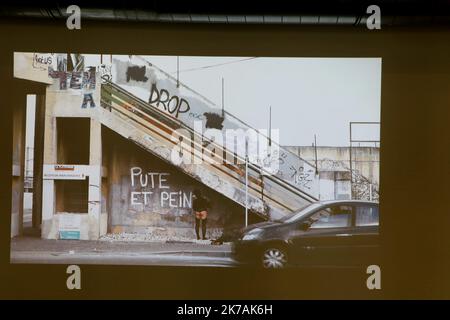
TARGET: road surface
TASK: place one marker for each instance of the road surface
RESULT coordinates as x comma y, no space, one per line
36,251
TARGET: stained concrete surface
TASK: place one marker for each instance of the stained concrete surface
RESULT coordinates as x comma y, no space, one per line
152,234
198,253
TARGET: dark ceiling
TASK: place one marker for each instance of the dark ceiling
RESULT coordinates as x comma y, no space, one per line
313,12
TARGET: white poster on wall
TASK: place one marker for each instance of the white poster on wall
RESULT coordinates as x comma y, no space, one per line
69,226
64,172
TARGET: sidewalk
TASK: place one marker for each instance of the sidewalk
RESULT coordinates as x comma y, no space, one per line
201,247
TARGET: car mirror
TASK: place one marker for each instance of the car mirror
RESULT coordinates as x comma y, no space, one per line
304,226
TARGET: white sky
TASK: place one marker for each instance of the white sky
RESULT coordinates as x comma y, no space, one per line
308,95
30,116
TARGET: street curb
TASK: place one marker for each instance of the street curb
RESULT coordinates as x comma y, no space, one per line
221,254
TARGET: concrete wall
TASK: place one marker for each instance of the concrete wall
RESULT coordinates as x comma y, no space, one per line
334,185
33,66
145,192
365,160
334,164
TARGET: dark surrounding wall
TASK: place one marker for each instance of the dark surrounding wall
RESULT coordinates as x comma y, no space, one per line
72,148
72,195
38,160
144,191
415,113
18,155
73,136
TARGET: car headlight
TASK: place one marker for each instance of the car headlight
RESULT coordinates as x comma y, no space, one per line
252,235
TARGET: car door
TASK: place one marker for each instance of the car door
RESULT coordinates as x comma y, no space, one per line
365,235
328,240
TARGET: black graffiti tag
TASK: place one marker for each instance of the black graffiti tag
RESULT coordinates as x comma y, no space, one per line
301,177
40,61
213,120
77,79
173,104
105,73
196,115
136,73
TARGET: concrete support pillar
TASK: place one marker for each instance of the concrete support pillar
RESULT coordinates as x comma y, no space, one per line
18,155
97,223
48,228
38,160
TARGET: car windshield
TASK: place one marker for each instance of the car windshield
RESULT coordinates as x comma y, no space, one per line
300,213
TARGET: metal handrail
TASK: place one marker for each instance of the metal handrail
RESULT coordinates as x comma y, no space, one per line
179,123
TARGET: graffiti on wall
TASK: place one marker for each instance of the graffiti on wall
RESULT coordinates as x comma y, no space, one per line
105,73
162,99
151,189
196,116
77,80
332,165
302,177
362,188
136,73
43,61
213,120
61,62
85,81
131,74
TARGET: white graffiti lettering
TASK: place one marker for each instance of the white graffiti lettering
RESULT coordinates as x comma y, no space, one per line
158,182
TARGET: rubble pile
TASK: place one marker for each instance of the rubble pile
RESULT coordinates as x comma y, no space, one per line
161,235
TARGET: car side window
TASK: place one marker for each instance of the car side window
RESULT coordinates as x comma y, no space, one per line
367,216
339,216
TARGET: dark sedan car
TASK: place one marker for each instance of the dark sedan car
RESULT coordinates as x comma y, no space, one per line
325,233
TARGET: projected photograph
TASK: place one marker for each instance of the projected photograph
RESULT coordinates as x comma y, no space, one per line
262,162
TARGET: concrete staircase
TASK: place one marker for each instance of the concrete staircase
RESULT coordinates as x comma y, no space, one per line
151,128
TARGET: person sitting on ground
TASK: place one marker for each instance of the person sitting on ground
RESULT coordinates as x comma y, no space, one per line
232,228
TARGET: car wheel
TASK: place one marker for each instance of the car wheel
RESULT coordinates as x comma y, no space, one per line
274,257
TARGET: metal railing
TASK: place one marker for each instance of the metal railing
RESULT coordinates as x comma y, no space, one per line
114,94
292,169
